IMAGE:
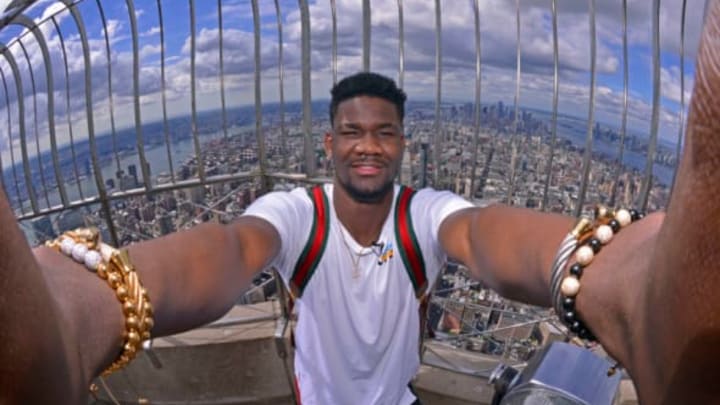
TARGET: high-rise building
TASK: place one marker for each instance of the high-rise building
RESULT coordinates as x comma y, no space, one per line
43,228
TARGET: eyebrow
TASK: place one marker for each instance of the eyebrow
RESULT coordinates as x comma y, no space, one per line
354,125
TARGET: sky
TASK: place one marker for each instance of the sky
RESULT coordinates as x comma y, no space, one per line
498,43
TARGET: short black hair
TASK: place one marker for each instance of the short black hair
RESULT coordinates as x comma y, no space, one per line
367,84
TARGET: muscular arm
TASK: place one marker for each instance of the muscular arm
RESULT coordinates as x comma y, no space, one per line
64,321
509,249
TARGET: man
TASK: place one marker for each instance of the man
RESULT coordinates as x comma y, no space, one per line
650,296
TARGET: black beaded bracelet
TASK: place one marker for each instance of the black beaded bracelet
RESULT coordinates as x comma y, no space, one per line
607,224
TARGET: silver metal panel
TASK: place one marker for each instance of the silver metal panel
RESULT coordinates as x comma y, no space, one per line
21,123
401,45
366,32
478,107
258,91
36,130
591,113
437,134
222,69
333,13
516,143
655,118
623,125
136,96
10,142
193,97
309,145
50,85
553,123
163,89
68,114
281,85
110,88
681,115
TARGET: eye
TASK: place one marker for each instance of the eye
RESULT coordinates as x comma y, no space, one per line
349,133
388,133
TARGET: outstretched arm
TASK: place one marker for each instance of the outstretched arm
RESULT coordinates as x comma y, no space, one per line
62,325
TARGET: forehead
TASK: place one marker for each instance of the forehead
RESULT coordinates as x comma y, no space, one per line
366,110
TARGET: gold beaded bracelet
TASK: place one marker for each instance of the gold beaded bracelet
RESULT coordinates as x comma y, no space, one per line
113,266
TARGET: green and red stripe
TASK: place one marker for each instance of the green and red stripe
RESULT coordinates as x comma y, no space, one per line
408,243
311,254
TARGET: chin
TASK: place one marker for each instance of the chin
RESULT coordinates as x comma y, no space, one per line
368,194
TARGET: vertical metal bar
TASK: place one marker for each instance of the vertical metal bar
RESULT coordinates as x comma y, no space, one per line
258,96
366,34
623,126
333,12
193,96
654,120
281,77
104,202
21,123
478,108
515,141
110,91
166,129
144,167
401,45
50,86
306,90
681,118
10,144
591,114
553,124
35,123
438,94
68,114
222,69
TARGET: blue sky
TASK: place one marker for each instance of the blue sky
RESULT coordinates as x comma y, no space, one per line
498,42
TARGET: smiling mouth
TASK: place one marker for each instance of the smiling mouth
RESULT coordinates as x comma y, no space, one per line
367,170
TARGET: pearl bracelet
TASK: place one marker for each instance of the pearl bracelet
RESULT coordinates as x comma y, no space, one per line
113,266
591,237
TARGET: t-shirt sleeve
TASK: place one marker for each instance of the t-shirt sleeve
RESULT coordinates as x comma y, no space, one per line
291,214
429,209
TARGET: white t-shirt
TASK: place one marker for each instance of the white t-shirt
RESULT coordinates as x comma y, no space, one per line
358,328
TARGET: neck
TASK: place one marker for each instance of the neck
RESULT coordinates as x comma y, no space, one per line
363,220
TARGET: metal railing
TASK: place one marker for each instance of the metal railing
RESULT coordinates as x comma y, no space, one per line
285,146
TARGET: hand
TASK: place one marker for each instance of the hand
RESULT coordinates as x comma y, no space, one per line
665,288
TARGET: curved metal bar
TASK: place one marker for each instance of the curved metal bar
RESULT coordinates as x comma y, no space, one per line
193,96
110,92
35,124
144,166
166,128
76,172
681,118
478,87
623,127
515,141
10,144
222,69
401,45
591,114
655,119
333,12
438,94
309,144
553,124
258,95
367,27
281,77
21,123
26,22
100,183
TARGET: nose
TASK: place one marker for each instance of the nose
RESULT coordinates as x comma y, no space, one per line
368,144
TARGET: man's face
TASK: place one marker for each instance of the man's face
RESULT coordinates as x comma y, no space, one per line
366,145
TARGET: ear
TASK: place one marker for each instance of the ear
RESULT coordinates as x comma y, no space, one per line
327,144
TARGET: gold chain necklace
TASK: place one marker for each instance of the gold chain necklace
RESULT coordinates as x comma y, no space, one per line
354,256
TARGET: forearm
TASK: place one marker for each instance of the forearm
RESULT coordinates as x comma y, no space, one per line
35,351
512,249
